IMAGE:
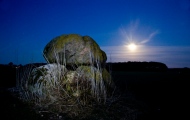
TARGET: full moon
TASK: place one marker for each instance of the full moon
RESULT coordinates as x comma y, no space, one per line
132,47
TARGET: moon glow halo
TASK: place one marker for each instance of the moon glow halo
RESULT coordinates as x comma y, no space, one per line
132,47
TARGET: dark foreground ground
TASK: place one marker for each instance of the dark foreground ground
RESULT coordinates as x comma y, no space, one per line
165,93
148,95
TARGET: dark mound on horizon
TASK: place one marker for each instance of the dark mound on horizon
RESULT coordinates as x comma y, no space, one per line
137,66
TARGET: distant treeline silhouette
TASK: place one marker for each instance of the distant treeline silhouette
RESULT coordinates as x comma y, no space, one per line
136,66
8,75
8,71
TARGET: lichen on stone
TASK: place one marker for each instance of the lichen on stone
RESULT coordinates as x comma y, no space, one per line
73,49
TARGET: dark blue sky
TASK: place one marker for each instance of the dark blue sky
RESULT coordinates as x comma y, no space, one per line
160,28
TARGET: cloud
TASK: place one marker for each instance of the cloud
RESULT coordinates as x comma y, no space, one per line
172,56
150,37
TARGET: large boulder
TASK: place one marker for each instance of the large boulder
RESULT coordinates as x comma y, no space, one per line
54,86
74,49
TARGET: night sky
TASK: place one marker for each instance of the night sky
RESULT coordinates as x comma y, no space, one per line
159,28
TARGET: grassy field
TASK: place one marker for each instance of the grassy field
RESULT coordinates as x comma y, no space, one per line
140,96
